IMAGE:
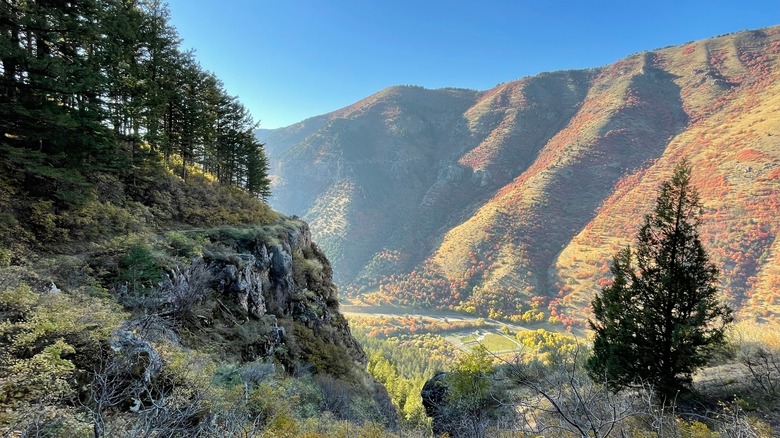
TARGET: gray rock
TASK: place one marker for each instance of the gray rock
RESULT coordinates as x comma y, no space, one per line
136,354
263,260
434,395
281,261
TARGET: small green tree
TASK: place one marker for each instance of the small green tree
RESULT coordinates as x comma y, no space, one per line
661,318
472,399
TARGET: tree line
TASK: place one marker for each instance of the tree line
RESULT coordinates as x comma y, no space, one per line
101,85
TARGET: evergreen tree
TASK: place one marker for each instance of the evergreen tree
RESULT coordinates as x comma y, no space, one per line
257,180
102,86
661,318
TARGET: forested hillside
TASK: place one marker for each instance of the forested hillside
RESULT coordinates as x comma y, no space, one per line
146,288
98,95
512,200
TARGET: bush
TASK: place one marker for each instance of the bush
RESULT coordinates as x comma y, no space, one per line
44,222
47,337
183,289
138,268
325,357
184,245
5,257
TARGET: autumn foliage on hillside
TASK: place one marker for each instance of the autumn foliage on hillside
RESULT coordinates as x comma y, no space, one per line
515,203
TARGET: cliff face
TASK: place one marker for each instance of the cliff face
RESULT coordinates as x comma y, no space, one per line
256,293
277,277
515,198
243,319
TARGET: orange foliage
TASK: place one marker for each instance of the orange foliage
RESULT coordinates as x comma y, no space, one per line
773,174
751,155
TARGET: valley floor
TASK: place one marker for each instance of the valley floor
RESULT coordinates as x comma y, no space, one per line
466,332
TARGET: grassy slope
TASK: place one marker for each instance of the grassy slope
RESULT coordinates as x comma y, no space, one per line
529,188
733,103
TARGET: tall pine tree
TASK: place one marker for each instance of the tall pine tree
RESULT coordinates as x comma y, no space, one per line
103,85
257,180
661,318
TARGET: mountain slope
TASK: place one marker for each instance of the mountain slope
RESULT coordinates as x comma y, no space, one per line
514,199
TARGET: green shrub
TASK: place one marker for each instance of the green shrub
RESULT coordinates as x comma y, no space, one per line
185,245
46,421
47,337
16,303
138,267
72,273
43,220
5,257
324,356
44,376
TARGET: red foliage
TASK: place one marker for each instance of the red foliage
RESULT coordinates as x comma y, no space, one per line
773,174
751,155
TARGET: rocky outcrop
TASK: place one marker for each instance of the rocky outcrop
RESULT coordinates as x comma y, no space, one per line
276,280
263,292
434,397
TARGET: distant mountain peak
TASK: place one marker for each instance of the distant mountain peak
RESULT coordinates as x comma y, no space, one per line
513,198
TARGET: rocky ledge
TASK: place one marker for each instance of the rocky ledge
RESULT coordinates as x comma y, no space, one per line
258,293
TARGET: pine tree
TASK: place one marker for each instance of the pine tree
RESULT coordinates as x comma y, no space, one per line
257,180
102,86
661,318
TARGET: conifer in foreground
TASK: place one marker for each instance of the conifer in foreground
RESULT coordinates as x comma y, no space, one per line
661,317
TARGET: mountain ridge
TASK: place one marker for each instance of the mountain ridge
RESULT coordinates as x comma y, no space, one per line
518,200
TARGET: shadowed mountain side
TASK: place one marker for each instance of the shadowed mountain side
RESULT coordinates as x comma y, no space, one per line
528,222
516,198
372,163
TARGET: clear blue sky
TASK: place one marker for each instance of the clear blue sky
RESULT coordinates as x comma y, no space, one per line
292,59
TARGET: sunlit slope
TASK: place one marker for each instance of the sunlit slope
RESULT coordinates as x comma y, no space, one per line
731,92
515,199
513,121
631,110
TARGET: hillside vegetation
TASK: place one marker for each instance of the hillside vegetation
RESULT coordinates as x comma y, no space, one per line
511,200
146,288
109,127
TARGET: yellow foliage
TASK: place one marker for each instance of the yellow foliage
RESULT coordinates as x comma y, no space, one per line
547,347
20,300
43,376
174,167
186,368
57,326
76,314
282,425
767,335
695,429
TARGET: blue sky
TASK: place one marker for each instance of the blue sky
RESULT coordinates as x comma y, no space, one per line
292,59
